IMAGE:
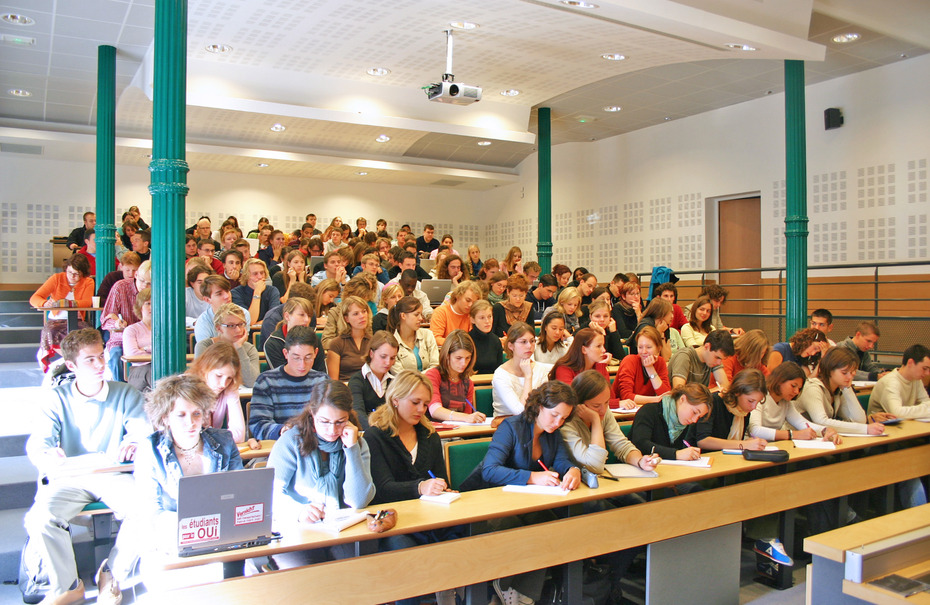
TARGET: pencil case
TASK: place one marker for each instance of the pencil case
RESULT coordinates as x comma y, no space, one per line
382,521
763,456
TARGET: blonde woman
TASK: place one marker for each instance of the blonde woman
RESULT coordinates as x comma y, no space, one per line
513,262
752,352
327,293
569,305
219,366
348,351
389,297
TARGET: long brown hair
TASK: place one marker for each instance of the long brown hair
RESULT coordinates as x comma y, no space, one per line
574,358
457,340
706,326
327,392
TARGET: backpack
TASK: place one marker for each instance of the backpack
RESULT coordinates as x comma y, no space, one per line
33,574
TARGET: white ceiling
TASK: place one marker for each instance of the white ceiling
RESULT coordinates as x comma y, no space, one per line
303,63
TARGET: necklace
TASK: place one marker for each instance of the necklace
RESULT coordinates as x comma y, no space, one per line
190,454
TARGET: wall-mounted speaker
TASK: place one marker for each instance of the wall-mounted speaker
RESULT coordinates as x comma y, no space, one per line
832,118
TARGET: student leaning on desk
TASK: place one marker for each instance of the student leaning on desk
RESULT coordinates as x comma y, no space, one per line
181,446
407,461
321,466
527,449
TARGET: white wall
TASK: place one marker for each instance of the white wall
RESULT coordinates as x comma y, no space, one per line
637,200
624,203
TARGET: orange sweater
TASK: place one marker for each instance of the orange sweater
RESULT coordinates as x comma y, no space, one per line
56,287
445,320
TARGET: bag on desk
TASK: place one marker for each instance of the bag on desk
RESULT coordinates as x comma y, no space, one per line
33,575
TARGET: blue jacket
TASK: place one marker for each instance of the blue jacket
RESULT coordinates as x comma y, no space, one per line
510,461
158,471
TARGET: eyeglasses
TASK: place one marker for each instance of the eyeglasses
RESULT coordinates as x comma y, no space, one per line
233,326
524,342
338,424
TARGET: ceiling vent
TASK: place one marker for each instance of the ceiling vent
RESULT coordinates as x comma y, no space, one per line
16,148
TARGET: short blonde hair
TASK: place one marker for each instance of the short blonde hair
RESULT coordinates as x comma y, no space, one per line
246,267
566,295
227,310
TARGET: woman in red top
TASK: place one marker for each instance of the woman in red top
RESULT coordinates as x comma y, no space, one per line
74,283
643,377
586,353
752,351
453,395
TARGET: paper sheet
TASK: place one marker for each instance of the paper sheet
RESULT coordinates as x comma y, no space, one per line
546,490
703,462
443,498
629,471
814,444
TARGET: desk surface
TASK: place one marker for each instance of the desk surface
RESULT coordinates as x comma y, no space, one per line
833,545
874,594
481,505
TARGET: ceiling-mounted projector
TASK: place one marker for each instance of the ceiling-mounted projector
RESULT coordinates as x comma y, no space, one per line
451,92
448,91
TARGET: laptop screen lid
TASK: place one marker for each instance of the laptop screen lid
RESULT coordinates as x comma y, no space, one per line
224,511
436,289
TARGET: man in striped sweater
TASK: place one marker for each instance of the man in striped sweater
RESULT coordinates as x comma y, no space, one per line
281,393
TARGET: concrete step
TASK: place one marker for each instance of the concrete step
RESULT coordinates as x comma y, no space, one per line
12,445
20,335
25,319
12,537
17,294
17,306
20,374
18,353
17,482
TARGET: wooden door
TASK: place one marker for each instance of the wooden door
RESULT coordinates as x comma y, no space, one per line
739,246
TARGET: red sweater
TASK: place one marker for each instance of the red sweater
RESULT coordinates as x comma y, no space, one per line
631,380
566,374
679,319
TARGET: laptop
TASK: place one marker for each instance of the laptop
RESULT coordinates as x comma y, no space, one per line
427,264
224,511
436,289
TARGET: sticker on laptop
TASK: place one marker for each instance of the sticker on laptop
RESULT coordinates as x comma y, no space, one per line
198,530
250,513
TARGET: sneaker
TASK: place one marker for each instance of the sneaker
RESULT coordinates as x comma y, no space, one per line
774,550
74,595
446,597
108,592
511,596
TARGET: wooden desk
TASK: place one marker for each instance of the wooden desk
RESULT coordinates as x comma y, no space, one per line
518,550
72,313
248,454
874,594
826,572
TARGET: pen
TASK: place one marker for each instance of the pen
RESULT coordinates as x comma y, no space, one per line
653,451
545,468
468,403
686,443
431,475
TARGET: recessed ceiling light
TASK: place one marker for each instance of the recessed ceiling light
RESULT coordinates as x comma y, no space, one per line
612,108
15,19
768,92
19,92
278,127
378,71
846,38
613,56
218,48
262,165
666,118
147,156
383,138
578,4
585,119
484,143
903,55
362,173
738,46
463,25
511,92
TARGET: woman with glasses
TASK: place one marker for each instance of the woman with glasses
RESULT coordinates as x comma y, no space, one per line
321,466
229,322
516,377
515,308
74,284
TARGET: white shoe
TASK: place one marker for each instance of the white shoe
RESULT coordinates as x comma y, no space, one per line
445,597
511,596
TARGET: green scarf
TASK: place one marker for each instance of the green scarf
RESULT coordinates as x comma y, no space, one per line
670,411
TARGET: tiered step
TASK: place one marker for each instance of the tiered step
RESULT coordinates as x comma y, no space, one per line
17,491
20,329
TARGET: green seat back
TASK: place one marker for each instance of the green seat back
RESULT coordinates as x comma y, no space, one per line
484,401
864,400
464,457
95,506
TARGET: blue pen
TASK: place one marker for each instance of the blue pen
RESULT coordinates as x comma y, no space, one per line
432,476
468,403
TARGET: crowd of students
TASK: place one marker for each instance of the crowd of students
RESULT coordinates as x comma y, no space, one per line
355,379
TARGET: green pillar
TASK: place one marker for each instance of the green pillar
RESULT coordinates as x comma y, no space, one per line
544,155
796,187
106,160
169,187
